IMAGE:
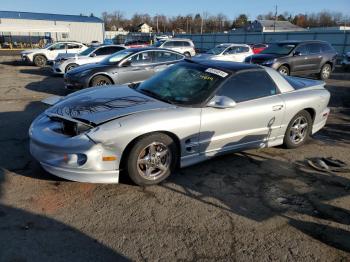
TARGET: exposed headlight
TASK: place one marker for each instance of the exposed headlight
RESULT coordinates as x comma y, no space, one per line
270,62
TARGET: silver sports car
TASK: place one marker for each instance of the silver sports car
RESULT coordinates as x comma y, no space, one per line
188,113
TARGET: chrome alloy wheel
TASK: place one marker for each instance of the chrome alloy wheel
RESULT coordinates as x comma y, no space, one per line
283,71
298,130
102,83
326,71
154,161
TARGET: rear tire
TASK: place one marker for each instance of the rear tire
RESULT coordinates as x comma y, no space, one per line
40,60
101,81
284,70
152,159
70,67
325,72
298,130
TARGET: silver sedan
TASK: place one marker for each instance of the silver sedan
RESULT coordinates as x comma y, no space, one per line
188,113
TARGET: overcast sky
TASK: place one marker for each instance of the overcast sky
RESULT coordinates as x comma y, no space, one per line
174,7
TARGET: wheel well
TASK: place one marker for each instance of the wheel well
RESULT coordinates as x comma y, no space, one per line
312,113
133,142
329,62
90,82
286,65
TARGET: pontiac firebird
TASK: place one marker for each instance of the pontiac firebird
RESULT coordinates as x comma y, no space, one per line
188,113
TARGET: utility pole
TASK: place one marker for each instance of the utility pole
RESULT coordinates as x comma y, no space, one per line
202,22
274,24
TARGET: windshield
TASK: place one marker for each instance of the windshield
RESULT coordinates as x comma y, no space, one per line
116,57
158,43
184,83
279,49
217,50
87,51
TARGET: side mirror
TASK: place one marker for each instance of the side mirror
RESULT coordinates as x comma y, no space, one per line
126,63
296,53
93,55
221,102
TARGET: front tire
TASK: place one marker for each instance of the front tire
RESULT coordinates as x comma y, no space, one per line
325,72
298,130
284,70
152,159
101,81
40,60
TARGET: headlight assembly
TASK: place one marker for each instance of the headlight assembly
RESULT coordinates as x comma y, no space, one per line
270,62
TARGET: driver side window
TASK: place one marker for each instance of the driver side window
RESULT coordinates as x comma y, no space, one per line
58,47
303,50
248,86
141,59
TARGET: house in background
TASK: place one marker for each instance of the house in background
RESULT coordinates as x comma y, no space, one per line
266,26
144,28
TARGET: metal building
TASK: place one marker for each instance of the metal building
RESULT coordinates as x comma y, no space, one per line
24,26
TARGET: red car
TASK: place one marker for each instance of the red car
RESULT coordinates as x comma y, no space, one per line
137,44
257,48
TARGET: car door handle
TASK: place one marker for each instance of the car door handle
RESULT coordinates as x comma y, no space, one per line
277,107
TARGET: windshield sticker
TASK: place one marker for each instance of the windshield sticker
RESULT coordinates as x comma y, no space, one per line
216,72
207,77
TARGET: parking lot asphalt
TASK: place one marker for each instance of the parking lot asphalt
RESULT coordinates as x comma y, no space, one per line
258,205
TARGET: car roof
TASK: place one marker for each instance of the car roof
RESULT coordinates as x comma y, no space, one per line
296,42
139,49
104,45
232,44
178,39
224,65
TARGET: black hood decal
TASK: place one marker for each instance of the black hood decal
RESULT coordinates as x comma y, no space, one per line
100,105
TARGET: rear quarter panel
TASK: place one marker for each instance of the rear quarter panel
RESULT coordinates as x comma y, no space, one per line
314,99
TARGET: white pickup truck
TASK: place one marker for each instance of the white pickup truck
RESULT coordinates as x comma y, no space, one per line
50,52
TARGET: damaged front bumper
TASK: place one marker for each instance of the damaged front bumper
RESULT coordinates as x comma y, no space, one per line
76,158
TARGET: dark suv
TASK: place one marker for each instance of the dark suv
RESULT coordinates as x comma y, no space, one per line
298,58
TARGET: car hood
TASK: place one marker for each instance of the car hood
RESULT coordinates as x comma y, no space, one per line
67,55
96,106
205,56
264,57
80,69
36,50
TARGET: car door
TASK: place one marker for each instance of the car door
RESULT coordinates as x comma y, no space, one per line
299,60
136,68
55,50
229,54
253,122
315,56
169,45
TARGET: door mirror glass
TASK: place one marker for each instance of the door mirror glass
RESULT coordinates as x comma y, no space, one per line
296,53
93,55
221,102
